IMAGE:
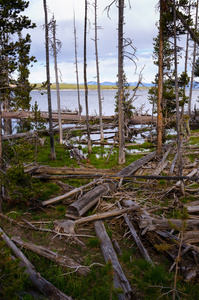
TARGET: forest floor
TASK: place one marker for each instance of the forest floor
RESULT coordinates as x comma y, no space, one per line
165,219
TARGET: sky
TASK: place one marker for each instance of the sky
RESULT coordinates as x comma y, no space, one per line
140,26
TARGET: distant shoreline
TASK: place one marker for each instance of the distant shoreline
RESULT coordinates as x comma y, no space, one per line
67,86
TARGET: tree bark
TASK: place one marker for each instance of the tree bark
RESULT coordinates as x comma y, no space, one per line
52,146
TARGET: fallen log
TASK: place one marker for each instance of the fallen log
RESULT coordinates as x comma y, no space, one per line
75,171
74,191
136,238
151,224
107,215
83,204
62,260
119,278
45,287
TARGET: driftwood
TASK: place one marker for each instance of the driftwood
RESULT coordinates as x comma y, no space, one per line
106,215
45,287
75,191
62,260
119,278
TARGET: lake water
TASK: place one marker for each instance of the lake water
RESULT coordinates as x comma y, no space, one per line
69,100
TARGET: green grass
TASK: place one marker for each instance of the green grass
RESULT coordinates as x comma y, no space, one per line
70,86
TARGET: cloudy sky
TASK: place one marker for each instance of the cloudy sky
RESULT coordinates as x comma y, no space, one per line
140,26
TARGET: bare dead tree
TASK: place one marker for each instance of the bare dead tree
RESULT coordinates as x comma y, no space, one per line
98,75
160,84
122,158
52,146
56,45
76,67
85,79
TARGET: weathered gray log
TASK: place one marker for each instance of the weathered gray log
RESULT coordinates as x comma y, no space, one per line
106,215
61,197
120,280
75,171
45,287
62,260
136,238
136,165
82,205
151,224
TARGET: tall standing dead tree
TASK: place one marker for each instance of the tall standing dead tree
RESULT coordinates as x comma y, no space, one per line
85,79
120,82
52,146
76,69
56,44
98,75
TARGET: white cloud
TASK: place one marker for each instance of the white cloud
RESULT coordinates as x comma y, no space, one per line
139,26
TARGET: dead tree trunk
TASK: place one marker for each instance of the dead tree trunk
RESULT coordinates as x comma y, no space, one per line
98,76
120,82
57,80
76,69
119,278
52,146
160,84
85,79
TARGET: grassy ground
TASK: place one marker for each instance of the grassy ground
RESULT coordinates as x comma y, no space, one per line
147,282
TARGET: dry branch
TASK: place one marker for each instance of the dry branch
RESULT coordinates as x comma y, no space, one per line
45,252
106,215
75,191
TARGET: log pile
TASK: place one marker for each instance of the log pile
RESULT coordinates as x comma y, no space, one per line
148,222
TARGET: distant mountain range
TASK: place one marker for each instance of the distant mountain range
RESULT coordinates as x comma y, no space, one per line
113,83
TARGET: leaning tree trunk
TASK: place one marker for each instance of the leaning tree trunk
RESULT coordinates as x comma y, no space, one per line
160,85
57,82
98,77
76,70
52,146
85,80
120,83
